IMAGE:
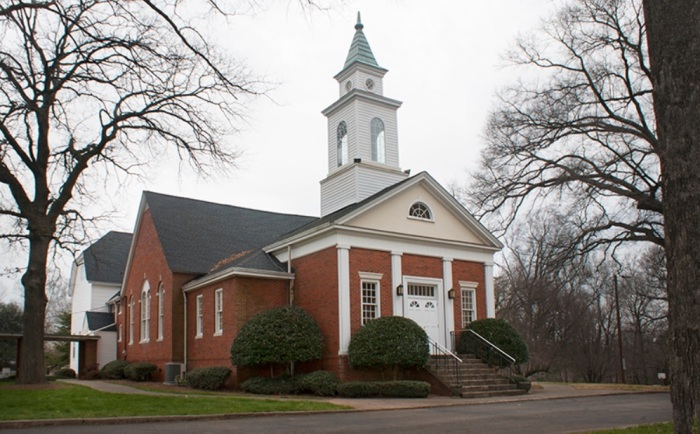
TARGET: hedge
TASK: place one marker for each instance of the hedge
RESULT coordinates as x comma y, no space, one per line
114,370
387,389
283,385
211,378
140,371
321,383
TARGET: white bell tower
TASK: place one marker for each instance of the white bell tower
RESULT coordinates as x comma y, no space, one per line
363,148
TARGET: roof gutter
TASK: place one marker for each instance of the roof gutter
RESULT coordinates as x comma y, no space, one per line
235,272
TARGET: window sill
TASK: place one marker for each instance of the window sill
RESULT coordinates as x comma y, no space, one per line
198,336
219,333
145,341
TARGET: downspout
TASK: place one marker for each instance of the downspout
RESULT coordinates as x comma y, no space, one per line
184,360
289,270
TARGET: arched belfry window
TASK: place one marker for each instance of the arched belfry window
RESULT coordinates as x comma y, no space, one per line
342,134
419,210
377,134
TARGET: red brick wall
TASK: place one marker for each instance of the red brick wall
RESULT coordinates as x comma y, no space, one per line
148,263
369,261
421,266
470,272
243,298
316,291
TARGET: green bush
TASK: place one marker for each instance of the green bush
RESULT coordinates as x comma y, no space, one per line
64,373
321,383
283,385
498,332
521,382
140,371
389,341
388,389
211,378
114,370
280,335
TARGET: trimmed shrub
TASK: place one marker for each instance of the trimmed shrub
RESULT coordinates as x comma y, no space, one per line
280,335
114,370
140,371
389,341
501,334
64,373
387,389
211,378
283,385
321,383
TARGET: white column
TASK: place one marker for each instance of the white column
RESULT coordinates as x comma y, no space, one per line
396,280
449,316
343,298
490,294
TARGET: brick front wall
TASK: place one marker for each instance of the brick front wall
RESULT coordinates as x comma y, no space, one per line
148,264
470,272
369,261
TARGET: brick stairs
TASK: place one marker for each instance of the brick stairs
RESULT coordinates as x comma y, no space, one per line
474,379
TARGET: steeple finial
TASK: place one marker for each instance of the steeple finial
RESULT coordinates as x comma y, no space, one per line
359,49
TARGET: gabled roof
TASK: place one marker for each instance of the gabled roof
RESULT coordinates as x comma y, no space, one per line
196,236
342,215
105,260
100,321
359,48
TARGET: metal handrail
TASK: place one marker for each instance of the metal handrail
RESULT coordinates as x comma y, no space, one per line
442,351
492,345
447,360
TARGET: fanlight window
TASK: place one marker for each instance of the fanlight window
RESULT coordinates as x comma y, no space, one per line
378,146
421,211
342,135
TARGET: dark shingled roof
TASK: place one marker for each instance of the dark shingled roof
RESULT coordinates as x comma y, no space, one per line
196,236
105,260
100,321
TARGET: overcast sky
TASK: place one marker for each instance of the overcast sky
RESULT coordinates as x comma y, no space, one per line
444,62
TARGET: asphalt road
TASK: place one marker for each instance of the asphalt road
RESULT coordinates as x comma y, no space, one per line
544,416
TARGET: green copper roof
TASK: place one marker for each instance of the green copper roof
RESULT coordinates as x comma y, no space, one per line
359,49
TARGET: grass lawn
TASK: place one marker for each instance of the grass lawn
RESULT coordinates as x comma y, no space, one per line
62,401
657,428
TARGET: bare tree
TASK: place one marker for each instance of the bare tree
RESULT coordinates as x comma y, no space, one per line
674,50
98,85
578,128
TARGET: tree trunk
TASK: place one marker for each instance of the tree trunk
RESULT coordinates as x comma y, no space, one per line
674,49
31,369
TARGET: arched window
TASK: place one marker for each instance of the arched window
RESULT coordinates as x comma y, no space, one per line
377,134
161,310
421,211
145,311
342,135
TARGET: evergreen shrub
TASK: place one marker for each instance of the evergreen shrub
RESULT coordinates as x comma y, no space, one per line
321,383
282,385
387,389
140,371
210,378
114,370
498,332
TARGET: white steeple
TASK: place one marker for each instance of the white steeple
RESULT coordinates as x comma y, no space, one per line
363,149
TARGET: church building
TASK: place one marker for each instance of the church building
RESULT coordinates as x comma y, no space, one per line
386,243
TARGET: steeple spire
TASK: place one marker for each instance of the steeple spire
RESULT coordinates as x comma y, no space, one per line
359,48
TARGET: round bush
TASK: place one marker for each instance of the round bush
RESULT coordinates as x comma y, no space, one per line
321,383
65,373
279,335
139,371
498,332
114,370
389,341
211,378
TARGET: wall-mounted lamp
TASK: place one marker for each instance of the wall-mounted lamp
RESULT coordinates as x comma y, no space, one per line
451,294
399,290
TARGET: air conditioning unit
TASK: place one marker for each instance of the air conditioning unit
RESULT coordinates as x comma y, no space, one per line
172,371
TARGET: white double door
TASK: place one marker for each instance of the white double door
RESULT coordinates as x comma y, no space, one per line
422,305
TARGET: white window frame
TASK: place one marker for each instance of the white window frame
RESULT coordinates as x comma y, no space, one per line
161,310
467,294
370,279
131,320
428,210
377,139
218,312
121,332
199,312
145,312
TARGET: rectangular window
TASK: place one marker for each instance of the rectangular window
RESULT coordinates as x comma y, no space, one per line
468,307
370,301
218,311
417,290
161,311
131,320
121,332
145,315
200,317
